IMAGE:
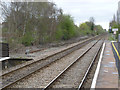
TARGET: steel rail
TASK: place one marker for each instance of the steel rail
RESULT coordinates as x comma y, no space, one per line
86,41
7,85
89,68
48,86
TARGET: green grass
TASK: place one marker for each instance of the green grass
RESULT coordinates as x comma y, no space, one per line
111,37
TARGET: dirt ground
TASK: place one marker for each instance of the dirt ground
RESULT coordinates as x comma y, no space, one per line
20,51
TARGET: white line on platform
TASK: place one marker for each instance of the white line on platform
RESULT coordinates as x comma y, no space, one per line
93,85
4,58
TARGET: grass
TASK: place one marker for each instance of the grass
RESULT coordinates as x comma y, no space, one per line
111,37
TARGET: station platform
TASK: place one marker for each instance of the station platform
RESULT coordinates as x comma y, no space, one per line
107,74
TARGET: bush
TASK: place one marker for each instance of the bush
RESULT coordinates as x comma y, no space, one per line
27,39
66,28
59,34
84,29
99,29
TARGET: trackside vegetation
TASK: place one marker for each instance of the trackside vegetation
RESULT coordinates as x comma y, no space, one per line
114,24
34,23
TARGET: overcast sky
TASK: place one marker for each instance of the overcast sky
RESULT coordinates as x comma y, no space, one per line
81,10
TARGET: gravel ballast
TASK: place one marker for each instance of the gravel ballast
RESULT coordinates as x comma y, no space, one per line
73,77
42,77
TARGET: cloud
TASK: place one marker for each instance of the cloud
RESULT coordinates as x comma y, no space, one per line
81,10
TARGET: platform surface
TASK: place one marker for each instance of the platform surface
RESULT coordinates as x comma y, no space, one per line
108,74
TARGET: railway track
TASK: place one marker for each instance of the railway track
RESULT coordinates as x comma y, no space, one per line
60,81
22,72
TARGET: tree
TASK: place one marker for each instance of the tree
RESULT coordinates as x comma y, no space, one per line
99,29
92,20
84,29
84,26
114,24
40,18
66,28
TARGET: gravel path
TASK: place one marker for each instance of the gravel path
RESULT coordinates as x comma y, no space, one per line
73,77
42,77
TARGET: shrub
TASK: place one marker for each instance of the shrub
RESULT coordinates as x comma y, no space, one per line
66,28
27,39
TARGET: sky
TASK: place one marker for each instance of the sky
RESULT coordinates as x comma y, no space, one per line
82,10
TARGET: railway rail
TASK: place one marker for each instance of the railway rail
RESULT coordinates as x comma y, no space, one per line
14,76
91,69
62,75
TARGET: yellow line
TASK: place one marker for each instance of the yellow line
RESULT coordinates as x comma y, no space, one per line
116,50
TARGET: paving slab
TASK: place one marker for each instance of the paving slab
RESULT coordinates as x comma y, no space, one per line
108,74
